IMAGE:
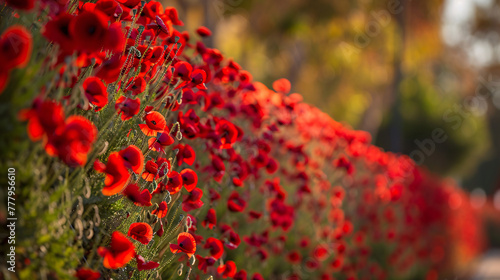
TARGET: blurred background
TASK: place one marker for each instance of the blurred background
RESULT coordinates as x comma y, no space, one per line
423,77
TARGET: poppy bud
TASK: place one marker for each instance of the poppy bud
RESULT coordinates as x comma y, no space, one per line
193,260
97,218
176,126
161,230
178,135
148,215
179,98
168,198
179,270
89,234
106,144
135,51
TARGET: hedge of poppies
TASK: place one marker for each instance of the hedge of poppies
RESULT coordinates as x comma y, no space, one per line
145,154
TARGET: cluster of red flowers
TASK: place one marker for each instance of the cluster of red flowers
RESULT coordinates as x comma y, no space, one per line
310,198
70,138
15,45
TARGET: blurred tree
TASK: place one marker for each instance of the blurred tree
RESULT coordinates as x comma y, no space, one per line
477,33
380,66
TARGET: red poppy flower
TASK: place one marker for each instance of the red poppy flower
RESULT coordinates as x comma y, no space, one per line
117,174
215,246
235,203
128,107
186,154
262,254
155,122
73,141
161,211
138,197
183,70
87,274
192,201
293,257
114,39
282,85
272,165
161,141
110,7
227,133
320,253
150,171
173,16
133,157
210,219
254,214
337,263
119,253
138,85
143,265
96,92
340,248
89,30
203,31
109,69
152,9
154,170
185,244
241,275
343,162
214,195
156,54
218,168
44,118
233,240
227,270
260,160
256,240
21,4
189,179
257,276
130,3
141,232
57,31
174,184
16,44
204,263
198,79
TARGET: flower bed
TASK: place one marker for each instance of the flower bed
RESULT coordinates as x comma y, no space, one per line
150,155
